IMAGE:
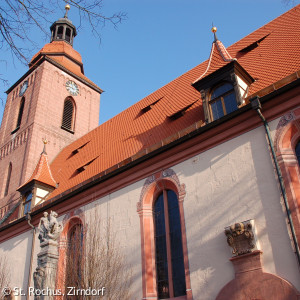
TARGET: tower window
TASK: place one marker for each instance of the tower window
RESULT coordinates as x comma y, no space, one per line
8,179
20,114
60,31
27,202
297,149
68,115
68,35
168,244
222,101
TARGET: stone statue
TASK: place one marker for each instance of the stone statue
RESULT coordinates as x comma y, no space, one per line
55,227
49,228
43,227
44,276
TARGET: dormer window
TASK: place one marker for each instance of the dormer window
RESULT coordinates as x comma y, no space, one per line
222,101
225,83
27,202
223,91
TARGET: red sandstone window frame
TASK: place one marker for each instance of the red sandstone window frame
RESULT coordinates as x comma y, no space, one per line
145,210
286,138
63,251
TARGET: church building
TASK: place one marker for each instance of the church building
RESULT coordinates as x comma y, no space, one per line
199,181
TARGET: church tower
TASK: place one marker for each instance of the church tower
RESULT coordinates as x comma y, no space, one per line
53,101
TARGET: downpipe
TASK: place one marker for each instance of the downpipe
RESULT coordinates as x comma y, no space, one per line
256,105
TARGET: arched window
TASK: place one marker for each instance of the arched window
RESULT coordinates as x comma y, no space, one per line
8,179
297,150
68,115
68,35
60,31
169,258
74,256
27,202
222,101
21,109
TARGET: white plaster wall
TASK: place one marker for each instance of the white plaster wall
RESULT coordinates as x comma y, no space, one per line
230,183
119,208
17,252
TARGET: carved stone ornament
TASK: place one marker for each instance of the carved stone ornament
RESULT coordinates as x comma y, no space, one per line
241,238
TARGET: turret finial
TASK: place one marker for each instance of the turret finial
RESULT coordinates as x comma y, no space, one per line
45,143
67,7
214,30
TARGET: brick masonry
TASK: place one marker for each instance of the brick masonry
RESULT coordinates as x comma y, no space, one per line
42,117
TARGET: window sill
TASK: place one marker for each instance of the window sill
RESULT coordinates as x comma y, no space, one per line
15,130
66,129
178,298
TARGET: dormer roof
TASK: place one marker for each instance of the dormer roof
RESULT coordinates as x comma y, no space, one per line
42,173
218,58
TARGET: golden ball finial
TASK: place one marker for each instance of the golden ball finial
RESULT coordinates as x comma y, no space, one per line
45,141
214,29
67,7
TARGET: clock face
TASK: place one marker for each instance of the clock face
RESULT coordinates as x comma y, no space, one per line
23,88
72,88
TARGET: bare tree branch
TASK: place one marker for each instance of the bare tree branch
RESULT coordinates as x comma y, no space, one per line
4,277
95,261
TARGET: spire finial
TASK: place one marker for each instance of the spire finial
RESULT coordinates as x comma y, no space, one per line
45,143
214,30
67,7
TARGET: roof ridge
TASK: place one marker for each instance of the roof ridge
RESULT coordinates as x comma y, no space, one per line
223,51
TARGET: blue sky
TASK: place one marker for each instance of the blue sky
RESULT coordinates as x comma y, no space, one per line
159,41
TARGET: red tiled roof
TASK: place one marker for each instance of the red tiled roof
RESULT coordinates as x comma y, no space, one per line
42,172
59,47
147,123
63,54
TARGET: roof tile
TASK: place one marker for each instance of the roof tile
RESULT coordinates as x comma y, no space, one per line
132,134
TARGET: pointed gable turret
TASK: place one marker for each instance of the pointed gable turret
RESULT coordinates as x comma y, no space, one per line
39,185
224,84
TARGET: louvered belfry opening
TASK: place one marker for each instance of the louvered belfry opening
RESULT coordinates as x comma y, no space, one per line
68,115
